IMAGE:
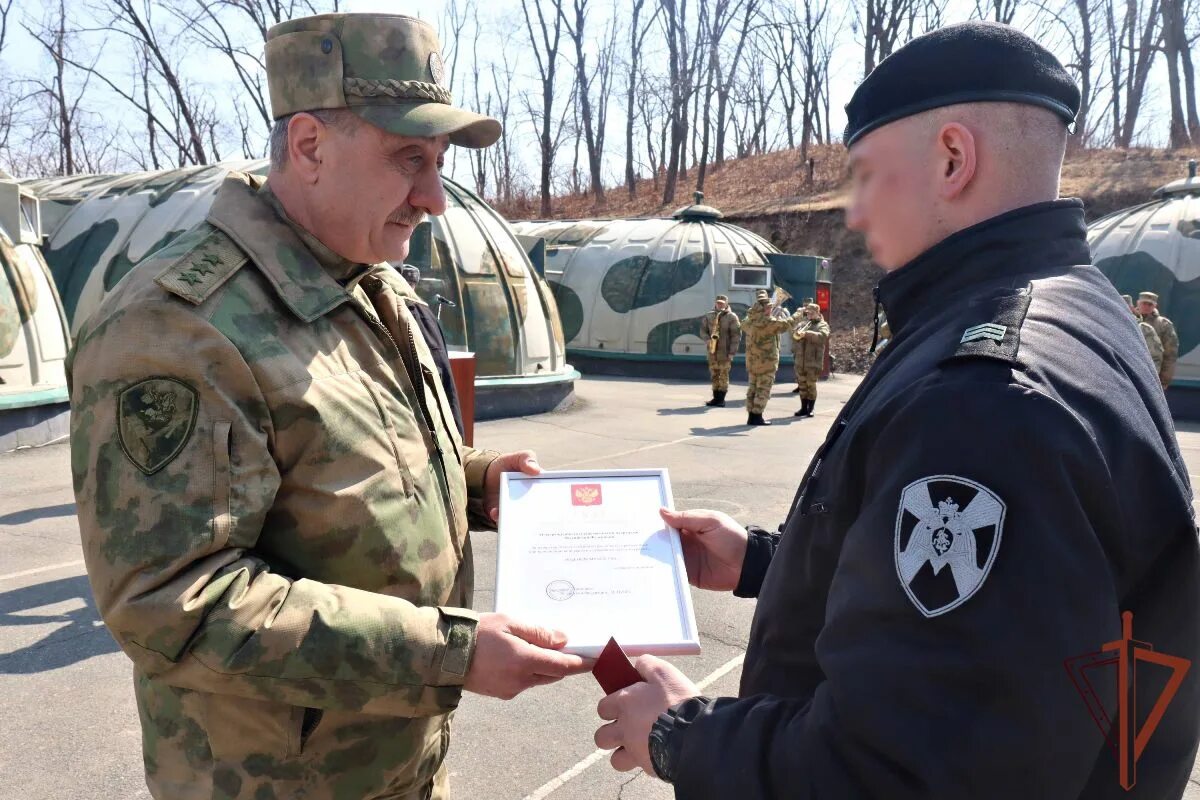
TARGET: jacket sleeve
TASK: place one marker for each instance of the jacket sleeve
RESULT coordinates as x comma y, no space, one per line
965,703
735,335
171,550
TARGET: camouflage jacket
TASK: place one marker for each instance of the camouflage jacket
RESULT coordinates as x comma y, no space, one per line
1170,344
762,339
274,504
1153,344
728,330
808,341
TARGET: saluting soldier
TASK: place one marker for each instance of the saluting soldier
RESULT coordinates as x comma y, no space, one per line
273,496
722,332
809,339
761,327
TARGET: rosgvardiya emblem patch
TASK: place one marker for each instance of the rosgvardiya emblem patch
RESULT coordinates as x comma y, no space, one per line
155,419
947,535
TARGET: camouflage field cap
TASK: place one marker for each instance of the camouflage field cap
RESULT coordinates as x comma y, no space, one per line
722,298
761,295
386,68
813,307
1149,296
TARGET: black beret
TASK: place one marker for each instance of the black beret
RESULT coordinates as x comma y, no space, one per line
971,62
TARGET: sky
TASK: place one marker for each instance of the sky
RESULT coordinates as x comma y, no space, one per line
22,53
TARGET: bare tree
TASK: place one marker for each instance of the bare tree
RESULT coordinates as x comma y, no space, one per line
1177,51
997,10
4,9
723,14
637,39
1134,44
502,163
724,77
545,42
884,22
683,62
592,129
63,116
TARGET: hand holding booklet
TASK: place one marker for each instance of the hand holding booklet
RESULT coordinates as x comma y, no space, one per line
587,553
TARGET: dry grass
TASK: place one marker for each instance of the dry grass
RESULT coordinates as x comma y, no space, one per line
776,183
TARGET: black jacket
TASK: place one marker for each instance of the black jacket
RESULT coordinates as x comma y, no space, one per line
1002,486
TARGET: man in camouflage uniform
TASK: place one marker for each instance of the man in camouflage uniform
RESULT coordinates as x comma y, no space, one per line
1148,308
722,333
809,336
761,328
1153,342
273,497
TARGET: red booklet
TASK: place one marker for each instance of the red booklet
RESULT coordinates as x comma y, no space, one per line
613,669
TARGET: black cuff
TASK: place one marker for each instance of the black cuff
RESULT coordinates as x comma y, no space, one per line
666,736
760,549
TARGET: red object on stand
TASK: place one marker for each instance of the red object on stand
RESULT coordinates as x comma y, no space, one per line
462,370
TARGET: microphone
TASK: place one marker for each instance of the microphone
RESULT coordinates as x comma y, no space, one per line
445,301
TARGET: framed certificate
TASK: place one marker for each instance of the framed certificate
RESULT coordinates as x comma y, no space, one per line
588,553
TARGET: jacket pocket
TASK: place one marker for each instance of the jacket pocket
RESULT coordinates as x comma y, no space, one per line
239,727
222,513
393,438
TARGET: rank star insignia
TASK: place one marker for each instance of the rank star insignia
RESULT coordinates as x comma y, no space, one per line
947,535
155,418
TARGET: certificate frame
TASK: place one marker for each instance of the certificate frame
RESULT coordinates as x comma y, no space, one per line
506,551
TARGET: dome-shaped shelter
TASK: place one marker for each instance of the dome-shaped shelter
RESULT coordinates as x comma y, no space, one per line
33,334
632,292
98,227
1155,247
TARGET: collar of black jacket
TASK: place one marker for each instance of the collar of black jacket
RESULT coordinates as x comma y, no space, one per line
1018,241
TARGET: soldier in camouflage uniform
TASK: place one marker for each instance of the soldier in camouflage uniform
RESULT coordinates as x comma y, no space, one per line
722,333
809,336
761,328
273,497
1153,342
1148,308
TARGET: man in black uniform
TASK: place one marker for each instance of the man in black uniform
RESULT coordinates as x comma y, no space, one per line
1002,487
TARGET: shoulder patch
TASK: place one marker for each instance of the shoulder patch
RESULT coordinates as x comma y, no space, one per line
998,338
199,272
947,535
155,419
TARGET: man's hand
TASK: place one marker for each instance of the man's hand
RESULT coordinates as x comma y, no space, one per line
511,656
714,547
634,709
521,461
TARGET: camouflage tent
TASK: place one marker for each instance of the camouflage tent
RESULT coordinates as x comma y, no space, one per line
635,290
33,335
99,226
1155,247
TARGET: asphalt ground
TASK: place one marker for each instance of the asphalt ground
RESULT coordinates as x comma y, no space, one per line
68,725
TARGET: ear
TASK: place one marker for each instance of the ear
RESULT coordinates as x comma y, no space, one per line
307,137
956,159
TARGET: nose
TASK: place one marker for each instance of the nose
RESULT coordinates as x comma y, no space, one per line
428,193
854,218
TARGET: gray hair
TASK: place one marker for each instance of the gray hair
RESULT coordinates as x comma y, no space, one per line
340,119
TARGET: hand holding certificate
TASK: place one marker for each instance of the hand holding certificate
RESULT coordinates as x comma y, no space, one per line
588,553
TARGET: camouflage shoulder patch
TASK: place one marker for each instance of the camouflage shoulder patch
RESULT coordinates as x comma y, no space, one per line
155,419
199,272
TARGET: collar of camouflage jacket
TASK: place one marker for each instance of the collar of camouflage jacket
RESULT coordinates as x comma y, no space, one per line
273,245
996,250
